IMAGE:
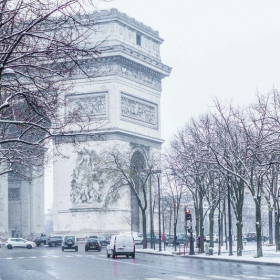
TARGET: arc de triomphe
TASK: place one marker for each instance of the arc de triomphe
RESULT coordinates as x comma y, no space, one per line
125,95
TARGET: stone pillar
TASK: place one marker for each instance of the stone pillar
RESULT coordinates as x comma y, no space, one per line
4,203
37,207
25,208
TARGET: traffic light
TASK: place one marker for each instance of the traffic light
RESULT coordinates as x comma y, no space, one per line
188,215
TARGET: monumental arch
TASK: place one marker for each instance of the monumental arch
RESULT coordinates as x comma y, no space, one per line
125,95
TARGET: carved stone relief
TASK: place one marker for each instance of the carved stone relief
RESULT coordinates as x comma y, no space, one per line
139,110
87,182
87,105
118,68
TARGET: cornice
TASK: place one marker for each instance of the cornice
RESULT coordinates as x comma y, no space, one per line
141,57
115,15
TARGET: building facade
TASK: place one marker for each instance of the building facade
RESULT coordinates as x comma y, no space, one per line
124,96
21,206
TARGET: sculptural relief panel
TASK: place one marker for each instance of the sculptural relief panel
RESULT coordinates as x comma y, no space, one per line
136,109
87,105
87,183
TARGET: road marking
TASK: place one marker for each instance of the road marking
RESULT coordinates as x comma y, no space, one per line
184,277
33,257
152,278
9,258
221,277
66,256
20,257
254,277
276,276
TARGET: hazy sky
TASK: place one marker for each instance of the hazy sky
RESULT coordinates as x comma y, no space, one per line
228,49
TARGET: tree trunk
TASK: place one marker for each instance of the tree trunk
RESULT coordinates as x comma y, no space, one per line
276,228
225,216
239,226
211,227
201,228
270,226
144,221
258,227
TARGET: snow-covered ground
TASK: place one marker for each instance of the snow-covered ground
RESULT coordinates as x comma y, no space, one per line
270,256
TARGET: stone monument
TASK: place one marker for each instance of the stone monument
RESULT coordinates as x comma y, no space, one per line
125,96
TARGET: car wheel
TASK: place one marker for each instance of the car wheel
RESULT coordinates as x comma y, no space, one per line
62,249
127,256
10,246
76,249
99,250
53,244
29,246
108,256
86,249
133,255
42,244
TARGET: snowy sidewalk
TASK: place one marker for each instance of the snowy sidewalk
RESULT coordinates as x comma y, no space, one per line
270,256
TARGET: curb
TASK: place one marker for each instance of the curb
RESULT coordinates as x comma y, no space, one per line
233,260
212,258
157,254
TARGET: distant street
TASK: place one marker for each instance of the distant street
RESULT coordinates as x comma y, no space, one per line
44,263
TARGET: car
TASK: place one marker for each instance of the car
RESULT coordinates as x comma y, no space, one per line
250,236
19,242
54,241
92,244
155,239
102,240
121,245
69,242
215,238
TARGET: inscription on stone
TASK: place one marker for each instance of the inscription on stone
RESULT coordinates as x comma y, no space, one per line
14,194
134,108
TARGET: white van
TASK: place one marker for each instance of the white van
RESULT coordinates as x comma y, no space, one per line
121,245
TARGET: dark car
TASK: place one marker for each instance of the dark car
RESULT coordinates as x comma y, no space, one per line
250,236
149,238
102,239
92,244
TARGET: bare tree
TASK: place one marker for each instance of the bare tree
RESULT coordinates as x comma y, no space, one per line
127,170
42,45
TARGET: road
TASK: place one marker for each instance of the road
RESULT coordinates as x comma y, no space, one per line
44,263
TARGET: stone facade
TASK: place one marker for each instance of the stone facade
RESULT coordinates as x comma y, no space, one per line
22,206
124,96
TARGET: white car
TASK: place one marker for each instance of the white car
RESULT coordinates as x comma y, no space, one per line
19,242
215,238
121,245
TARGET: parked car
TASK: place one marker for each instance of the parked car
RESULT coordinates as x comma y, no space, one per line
19,242
121,245
92,244
149,238
250,236
41,240
215,238
69,242
102,240
54,241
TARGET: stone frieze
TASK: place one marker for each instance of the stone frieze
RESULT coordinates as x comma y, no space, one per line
136,109
87,105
